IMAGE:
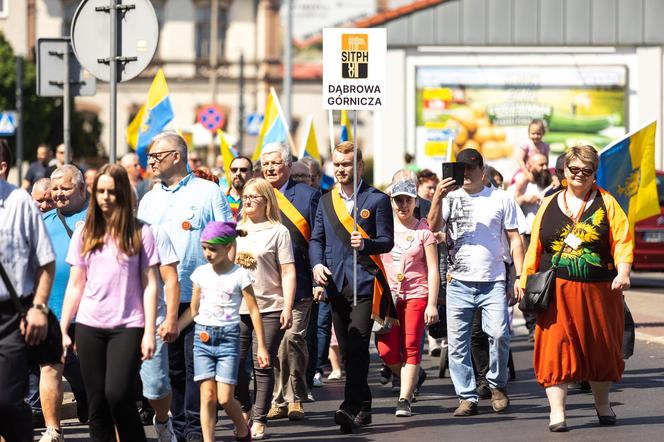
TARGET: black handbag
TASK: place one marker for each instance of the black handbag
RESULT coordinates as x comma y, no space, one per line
49,351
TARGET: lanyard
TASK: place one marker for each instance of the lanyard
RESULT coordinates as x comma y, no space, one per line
583,206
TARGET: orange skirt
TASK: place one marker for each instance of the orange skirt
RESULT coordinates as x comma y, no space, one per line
579,338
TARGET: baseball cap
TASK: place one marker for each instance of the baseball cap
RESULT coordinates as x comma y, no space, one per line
404,187
470,157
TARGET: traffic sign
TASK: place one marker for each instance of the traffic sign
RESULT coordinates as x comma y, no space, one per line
354,68
254,123
137,37
7,123
51,70
211,117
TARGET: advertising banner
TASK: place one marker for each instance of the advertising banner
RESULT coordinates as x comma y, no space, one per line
489,108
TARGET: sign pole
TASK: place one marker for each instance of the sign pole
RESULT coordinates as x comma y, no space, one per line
113,80
66,103
355,205
19,119
240,142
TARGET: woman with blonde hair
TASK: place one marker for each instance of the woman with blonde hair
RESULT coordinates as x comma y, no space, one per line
584,232
112,292
267,253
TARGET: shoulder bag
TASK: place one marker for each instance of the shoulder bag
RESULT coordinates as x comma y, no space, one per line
49,351
541,286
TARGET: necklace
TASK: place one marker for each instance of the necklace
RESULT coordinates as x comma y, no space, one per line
569,213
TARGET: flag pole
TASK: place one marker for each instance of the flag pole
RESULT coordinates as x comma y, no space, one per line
355,206
280,111
330,126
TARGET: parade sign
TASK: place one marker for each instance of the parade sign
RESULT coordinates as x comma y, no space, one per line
354,67
211,117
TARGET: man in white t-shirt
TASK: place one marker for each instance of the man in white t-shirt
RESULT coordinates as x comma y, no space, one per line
476,219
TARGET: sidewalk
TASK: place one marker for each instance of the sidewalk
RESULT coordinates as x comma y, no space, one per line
647,307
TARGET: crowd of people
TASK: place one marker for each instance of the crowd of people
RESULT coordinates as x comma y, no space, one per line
170,285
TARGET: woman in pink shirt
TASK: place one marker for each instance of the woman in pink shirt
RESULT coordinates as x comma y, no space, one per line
412,270
112,292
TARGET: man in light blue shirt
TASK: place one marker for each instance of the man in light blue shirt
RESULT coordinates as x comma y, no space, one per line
182,205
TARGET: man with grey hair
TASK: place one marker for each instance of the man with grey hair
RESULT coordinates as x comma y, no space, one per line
69,194
314,169
182,205
298,203
41,194
300,173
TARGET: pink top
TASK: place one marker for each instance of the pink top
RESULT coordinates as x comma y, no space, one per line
113,294
531,149
408,258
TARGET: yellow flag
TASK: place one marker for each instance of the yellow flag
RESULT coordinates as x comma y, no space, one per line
227,155
134,128
310,145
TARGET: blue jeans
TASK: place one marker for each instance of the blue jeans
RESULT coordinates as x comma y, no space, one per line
324,334
218,357
463,298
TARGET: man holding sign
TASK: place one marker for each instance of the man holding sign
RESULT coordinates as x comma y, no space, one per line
333,242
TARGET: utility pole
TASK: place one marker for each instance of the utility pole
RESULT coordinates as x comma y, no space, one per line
241,107
19,119
214,60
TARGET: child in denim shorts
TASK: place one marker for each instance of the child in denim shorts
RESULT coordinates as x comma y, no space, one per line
218,290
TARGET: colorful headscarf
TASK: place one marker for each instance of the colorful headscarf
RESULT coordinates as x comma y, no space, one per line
217,232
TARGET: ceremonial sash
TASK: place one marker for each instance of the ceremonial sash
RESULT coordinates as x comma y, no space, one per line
297,225
382,307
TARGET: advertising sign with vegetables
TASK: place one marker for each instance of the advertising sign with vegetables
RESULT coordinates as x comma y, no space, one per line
489,108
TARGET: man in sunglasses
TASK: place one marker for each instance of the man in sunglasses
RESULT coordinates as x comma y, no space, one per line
240,171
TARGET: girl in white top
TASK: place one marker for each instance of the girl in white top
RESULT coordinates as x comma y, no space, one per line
219,288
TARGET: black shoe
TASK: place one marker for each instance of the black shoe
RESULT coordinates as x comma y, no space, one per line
363,418
403,409
585,386
606,420
385,374
422,376
345,421
146,414
38,419
483,391
82,411
435,352
560,427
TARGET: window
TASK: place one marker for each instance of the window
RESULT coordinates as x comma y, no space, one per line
4,8
203,18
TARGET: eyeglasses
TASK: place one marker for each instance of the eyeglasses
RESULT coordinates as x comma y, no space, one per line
158,157
252,198
585,171
239,169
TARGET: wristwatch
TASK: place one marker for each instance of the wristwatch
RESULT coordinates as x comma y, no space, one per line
42,308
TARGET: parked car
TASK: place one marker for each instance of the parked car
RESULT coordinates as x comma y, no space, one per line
649,236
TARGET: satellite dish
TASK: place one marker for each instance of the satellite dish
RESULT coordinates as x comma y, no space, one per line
137,37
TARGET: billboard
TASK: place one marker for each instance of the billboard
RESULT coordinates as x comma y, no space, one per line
489,108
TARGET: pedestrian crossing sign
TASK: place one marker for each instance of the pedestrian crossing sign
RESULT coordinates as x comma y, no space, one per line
7,123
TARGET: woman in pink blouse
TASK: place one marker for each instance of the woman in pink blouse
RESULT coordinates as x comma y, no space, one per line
112,292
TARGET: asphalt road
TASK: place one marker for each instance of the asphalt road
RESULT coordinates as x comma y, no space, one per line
638,402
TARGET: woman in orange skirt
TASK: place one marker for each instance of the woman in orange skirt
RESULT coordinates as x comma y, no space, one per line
579,337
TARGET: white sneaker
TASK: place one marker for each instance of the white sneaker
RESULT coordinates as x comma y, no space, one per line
334,375
52,435
164,431
318,379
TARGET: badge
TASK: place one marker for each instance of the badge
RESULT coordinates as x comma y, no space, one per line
204,336
365,214
400,276
186,225
573,241
409,238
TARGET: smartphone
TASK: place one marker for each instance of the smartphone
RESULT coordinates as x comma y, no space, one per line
454,170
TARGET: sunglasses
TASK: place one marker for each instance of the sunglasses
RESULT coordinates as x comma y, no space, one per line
239,169
585,171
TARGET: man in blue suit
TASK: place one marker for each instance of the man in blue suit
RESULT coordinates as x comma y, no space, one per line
333,241
297,204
